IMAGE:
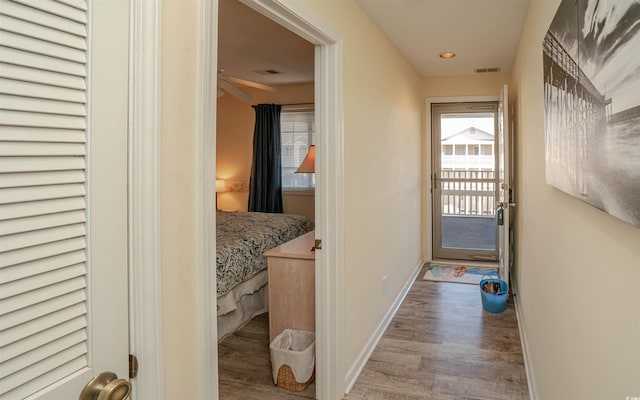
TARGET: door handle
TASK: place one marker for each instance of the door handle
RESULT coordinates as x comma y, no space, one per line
106,386
317,245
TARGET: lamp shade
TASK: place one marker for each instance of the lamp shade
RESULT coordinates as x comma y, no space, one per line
220,186
308,165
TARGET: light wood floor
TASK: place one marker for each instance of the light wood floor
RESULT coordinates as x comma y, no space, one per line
244,366
440,345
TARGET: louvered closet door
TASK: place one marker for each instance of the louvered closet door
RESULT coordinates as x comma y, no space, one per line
63,195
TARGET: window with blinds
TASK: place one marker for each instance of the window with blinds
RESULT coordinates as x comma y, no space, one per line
297,126
43,116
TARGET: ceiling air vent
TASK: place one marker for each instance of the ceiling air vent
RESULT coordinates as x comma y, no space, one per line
484,70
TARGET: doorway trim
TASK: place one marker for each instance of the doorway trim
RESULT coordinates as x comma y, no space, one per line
427,234
207,327
145,275
329,191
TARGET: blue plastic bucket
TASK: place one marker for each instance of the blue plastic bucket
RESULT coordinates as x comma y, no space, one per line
495,303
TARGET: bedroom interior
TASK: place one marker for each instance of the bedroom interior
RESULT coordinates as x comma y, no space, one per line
253,47
259,52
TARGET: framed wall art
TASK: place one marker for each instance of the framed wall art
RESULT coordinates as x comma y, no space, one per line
591,58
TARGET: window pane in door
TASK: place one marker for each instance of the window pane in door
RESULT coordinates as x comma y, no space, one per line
467,197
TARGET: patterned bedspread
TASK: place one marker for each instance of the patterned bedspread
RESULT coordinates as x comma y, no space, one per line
242,238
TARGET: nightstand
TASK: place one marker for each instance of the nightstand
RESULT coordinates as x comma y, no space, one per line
292,294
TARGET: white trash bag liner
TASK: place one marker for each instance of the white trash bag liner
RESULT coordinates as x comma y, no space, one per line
294,348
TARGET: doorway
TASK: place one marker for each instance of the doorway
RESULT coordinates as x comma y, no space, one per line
260,64
464,180
329,224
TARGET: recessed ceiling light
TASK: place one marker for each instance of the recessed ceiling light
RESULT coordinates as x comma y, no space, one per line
447,54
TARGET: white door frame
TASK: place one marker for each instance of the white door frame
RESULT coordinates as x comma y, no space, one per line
207,326
145,305
329,185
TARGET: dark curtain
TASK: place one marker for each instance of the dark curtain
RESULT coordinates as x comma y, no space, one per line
265,187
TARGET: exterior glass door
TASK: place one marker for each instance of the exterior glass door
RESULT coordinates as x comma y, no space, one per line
464,184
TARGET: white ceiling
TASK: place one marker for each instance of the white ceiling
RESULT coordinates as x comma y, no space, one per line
482,33
249,42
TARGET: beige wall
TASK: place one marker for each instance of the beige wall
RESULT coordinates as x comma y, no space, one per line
234,148
299,204
382,141
488,84
577,268
178,202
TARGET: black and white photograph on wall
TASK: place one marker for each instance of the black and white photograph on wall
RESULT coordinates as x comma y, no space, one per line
591,58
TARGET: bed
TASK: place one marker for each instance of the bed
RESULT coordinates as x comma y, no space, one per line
241,267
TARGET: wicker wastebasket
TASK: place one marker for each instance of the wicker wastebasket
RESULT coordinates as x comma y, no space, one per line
293,359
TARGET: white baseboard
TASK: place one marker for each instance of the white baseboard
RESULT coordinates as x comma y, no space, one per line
525,353
364,355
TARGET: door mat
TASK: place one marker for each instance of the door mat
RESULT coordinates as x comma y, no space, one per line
458,274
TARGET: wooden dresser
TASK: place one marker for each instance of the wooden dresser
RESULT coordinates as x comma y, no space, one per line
292,291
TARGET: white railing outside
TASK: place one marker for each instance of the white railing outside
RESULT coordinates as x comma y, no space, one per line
468,193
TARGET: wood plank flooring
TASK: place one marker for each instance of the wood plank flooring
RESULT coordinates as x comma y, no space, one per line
244,366
440,345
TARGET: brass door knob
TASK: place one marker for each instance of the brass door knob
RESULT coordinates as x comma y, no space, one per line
106,386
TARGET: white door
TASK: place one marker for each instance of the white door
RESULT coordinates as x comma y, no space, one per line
63,195
503,183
